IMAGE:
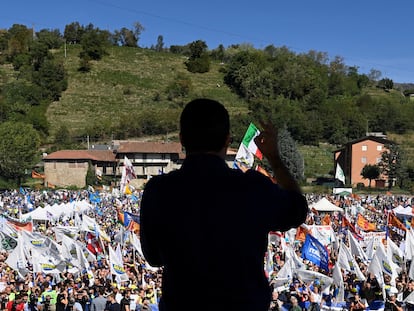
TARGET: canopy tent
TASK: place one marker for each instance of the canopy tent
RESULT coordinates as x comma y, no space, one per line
323,205
55,211
39,213
403,211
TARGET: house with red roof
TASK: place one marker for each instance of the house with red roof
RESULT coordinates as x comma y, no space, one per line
65,168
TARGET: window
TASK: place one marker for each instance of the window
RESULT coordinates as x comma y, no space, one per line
379,147
364,147
363,160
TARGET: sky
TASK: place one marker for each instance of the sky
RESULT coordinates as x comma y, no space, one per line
369,34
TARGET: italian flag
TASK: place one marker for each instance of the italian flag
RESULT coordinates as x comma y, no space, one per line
248,140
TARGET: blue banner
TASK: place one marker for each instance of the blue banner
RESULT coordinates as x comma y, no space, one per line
315,252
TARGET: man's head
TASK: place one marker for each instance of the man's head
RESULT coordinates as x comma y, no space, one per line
204,126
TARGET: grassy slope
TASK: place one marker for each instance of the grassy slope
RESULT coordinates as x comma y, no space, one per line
128,79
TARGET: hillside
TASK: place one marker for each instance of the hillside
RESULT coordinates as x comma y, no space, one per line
128,79
133,81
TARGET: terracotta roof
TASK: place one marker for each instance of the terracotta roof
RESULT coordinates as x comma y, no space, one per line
148,147
94,155
377,139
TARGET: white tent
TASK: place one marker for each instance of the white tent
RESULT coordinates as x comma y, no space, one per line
39,213
323,205
53,212
403,211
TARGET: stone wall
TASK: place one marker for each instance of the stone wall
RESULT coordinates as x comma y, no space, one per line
65,174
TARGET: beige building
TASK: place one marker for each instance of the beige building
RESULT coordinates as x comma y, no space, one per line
65,168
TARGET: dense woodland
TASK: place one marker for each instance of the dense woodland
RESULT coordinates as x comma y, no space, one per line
314,98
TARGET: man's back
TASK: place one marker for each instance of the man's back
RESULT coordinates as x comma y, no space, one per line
208,225
98,303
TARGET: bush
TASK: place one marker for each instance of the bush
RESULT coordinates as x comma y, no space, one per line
360,186
180,87
198,65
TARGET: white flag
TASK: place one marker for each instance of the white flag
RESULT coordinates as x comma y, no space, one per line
339,174
47,263
353,265
90,225
84,263
285,274
244,156
136,243
343,261
309,276
128,173
117,265
394,253
339,282
17,259
409,245
356,248
375,268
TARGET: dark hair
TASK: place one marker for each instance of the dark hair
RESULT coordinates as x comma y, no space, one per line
204,125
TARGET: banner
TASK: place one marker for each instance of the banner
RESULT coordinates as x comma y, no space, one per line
364,224
315,252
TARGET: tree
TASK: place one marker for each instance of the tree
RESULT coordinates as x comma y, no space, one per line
390,163
199,60
94,43
370,172
374,75
290,155
19,39
62,136
73,33
52,78
138,29
52,38
126,37
90,178
19,144
386,84
218,53
160,44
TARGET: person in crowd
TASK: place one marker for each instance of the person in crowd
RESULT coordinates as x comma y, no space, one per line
275,304
99,302
189,217
295,304
112,304
357,304
77,304
62,298
392,304
125,301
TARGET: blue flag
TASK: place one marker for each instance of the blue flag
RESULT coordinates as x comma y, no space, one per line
315,252
134,217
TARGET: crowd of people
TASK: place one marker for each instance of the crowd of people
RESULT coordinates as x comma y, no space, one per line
68,291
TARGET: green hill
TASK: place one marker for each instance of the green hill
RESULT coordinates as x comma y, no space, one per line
134,82
129,80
